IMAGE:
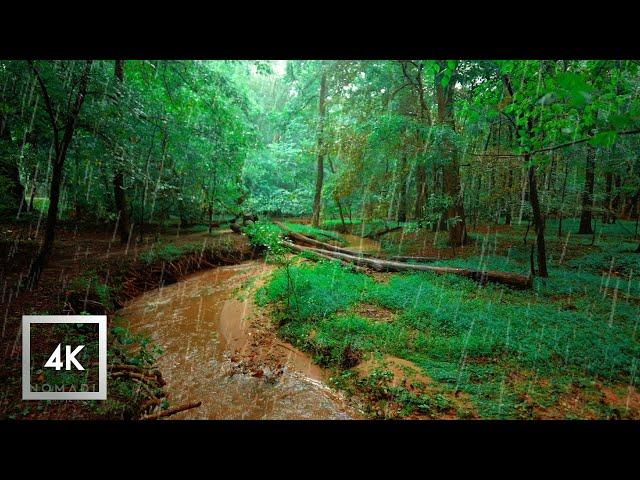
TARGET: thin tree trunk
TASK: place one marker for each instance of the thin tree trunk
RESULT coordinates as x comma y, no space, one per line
587,193
425,117
402,185
61,149
317,200
507,218
421,190
538,221
32,197
118,179
476,217
564,191
615,204
337,200
607,215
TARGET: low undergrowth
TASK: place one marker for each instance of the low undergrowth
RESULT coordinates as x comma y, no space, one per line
267,237
514,354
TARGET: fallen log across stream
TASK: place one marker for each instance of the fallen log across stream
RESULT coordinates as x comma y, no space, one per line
320,253
483,276
404,258
299,238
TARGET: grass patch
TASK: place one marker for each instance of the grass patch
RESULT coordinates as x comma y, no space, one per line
470,339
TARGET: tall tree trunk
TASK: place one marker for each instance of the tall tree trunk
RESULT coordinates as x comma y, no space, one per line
317,199
564,191
118,180
421,190
633,205
450,171
507,218
476,216
32,197
61,148
424,115
538,220
608,215
337,199
587,193
402,186
615,203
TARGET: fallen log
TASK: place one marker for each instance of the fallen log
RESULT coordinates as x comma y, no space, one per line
403,258
299,248
317,243
376,235
483,276
172,411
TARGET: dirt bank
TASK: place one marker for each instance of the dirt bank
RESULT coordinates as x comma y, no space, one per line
90,273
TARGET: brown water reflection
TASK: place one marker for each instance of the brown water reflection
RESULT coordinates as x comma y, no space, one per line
199,323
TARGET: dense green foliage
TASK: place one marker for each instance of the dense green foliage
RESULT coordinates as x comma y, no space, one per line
432,157
197,139
180,131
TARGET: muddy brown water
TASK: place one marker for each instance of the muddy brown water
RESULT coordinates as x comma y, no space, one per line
361,244
199,323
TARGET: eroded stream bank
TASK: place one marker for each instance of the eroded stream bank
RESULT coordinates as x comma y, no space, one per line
207,328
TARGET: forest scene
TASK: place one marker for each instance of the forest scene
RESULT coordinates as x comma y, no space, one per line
326,239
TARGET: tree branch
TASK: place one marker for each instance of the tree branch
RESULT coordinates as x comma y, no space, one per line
48,105
552,147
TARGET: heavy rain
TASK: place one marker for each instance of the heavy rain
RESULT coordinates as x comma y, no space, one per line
344,239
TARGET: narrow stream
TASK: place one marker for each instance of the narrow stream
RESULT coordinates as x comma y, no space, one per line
199,323
361,244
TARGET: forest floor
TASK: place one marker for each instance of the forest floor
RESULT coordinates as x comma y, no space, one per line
402,345
90,272
439,346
